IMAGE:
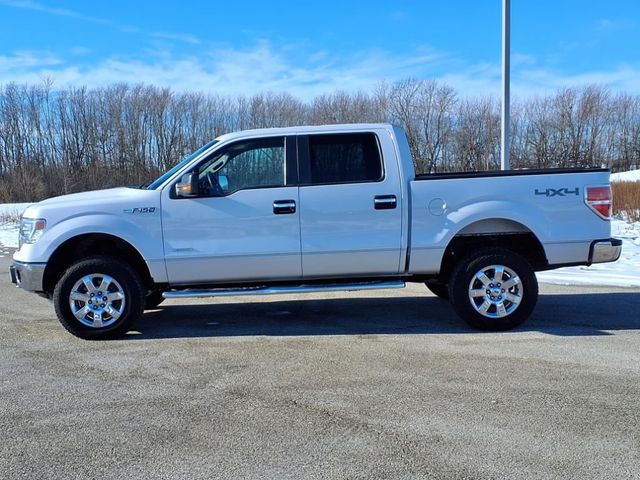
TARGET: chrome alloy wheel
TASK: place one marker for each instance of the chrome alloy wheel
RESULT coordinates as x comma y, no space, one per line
97,300
495,291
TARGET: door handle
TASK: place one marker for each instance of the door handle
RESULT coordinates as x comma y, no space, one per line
283,207
385,202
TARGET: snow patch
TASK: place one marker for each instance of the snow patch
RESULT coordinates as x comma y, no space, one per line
630,176
13,209
9,216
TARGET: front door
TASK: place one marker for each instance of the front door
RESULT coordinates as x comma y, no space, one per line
244,225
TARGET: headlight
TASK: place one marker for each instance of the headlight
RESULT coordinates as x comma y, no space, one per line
31,230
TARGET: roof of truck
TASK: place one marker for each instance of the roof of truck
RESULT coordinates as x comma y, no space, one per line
263,132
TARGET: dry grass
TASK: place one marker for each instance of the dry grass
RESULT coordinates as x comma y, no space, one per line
626,200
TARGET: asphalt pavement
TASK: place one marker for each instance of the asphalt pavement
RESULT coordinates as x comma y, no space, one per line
385,384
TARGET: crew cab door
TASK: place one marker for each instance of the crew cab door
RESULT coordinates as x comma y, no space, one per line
244,224
350,206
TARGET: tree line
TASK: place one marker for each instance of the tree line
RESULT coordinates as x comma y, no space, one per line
56,141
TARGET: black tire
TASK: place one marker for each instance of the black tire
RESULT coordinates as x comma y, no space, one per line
124,282
440,290
153,299
509,306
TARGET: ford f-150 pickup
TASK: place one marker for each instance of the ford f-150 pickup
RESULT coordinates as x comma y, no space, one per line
312,209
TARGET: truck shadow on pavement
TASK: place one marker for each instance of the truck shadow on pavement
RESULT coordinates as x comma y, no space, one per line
563,315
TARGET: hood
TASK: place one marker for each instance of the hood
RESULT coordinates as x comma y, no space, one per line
93,197
111,201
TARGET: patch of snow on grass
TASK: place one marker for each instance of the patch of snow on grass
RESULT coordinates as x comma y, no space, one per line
8,237
630,176
9,218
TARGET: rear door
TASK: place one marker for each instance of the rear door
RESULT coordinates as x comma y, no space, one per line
350,206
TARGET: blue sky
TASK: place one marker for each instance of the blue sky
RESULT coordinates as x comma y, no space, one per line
309,48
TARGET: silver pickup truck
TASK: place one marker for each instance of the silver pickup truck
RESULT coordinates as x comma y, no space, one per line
312,209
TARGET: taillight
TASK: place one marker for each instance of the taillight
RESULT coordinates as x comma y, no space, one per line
599,200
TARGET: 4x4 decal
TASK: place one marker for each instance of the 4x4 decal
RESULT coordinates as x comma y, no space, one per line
558,192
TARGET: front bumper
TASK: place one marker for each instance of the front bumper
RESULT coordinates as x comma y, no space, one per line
603,251
28,276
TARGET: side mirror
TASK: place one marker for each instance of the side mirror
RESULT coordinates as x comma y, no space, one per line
188,185
223,181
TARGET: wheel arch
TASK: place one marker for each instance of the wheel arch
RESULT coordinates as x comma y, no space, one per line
90,244
493,232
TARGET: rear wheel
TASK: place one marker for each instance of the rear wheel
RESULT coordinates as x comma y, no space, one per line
440,290
99,298
495,289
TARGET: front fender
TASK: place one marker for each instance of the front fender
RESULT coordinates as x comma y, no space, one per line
143,232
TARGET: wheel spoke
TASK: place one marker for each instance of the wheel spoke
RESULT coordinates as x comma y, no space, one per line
79,296
115,314
479,292
483,278
114,296
97,319
88,284
484,307
105,283
515,299
499,273
512,282
500,310
81,313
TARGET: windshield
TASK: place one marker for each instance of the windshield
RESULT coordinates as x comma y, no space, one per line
180,165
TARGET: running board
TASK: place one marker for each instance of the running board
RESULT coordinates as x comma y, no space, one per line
275,290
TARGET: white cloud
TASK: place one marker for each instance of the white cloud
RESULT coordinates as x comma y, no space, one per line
25,60
614,25
180,37
60,12
621,78
35,6
301,73
229,70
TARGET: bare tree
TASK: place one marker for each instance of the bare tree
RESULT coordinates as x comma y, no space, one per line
55,141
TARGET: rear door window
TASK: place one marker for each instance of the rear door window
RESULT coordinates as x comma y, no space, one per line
344,158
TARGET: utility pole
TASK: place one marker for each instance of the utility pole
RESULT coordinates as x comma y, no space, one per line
505,135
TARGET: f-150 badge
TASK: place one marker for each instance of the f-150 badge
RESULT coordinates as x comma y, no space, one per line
140,210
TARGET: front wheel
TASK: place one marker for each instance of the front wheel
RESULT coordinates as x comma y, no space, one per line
99,298
494,289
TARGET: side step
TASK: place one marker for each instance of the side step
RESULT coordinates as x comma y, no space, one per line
275,290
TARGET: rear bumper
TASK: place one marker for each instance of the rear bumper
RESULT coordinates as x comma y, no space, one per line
28,276
603,251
